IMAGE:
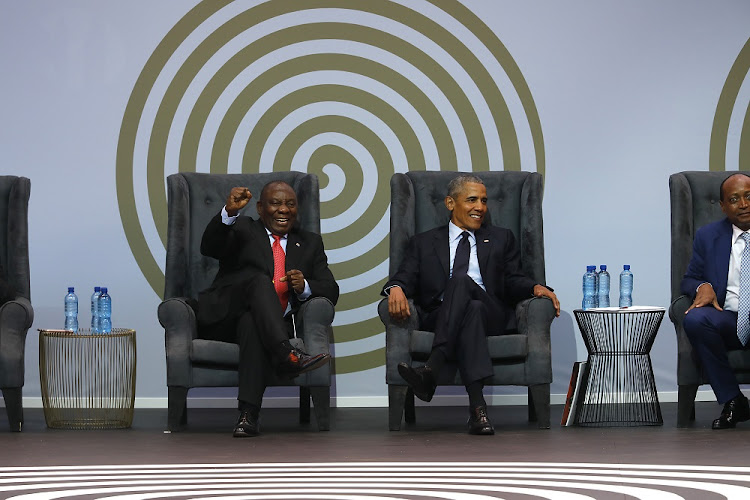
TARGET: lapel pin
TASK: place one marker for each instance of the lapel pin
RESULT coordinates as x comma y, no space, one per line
297,244
486,241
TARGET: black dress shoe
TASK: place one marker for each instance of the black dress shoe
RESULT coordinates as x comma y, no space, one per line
298,361
421,380
248,425
736,410
479,422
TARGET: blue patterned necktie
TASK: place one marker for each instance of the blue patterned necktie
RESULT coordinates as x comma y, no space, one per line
743,309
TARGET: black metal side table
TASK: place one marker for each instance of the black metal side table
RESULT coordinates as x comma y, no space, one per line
620,388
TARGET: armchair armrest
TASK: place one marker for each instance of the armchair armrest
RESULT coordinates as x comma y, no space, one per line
534,317
687,371
678,307
16,318
180,328
397,339
314,318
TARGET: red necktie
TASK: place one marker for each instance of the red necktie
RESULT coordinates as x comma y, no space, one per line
279,270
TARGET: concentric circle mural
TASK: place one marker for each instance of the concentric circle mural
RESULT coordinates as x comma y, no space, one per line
730,136
350,90
378,481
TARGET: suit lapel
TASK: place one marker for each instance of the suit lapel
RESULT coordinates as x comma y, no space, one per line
723,246
264,245
442,250
484,249
293,250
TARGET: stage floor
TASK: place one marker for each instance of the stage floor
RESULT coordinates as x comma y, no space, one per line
360,458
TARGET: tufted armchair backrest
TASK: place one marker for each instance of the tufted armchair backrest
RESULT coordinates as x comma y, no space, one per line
514,202
14,232
694,200
194,198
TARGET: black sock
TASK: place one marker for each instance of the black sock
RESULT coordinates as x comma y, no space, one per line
284,349
476,397
435,361
250,407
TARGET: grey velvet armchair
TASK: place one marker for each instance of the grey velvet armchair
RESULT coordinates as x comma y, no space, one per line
694,199
193,199
521,355
17,315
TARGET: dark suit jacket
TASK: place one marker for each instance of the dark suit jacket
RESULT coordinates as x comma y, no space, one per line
243,251
710,261
425,270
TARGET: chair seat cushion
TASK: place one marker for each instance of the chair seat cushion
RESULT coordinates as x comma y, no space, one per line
502,347
213,352
227,355
739,360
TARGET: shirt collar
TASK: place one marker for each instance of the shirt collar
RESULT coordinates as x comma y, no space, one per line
454,232
270,234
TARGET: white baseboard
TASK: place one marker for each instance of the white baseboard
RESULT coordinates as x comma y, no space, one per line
364,401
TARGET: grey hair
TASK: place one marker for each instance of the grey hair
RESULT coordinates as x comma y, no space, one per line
457,184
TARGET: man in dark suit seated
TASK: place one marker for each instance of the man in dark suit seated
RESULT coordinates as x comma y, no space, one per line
718,280
465,279
267,267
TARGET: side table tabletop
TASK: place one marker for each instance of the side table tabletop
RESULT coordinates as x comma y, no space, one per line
620,388
87,379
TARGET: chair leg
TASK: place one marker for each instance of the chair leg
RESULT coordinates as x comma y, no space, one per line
410,415
14,407
539,398
396,401
177,407
686,404
531,408
321,397
304,405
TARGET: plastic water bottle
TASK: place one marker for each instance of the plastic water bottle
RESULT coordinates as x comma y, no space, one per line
602,290
626,287
95,310
71,310
589,287
105,311
596,287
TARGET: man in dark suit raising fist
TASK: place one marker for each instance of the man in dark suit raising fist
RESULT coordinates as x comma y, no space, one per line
267,268
465,278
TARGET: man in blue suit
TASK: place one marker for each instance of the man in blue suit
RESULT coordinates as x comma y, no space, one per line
713,280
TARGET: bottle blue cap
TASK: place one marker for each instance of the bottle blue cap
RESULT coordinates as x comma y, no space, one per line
626,267
104,289
71,289
590,268
603,267
97,289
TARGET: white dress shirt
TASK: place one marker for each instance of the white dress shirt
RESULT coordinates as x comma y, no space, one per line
454,237
732,300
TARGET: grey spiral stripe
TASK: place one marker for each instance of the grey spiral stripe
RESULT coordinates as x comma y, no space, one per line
374,480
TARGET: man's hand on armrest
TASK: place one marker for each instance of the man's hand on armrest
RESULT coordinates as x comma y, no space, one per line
398,305
543,291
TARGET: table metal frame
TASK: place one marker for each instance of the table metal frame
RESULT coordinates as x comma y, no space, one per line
87,379
619,386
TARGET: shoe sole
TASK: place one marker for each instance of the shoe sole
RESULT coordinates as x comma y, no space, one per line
310,367
408,375
482,433
243,434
